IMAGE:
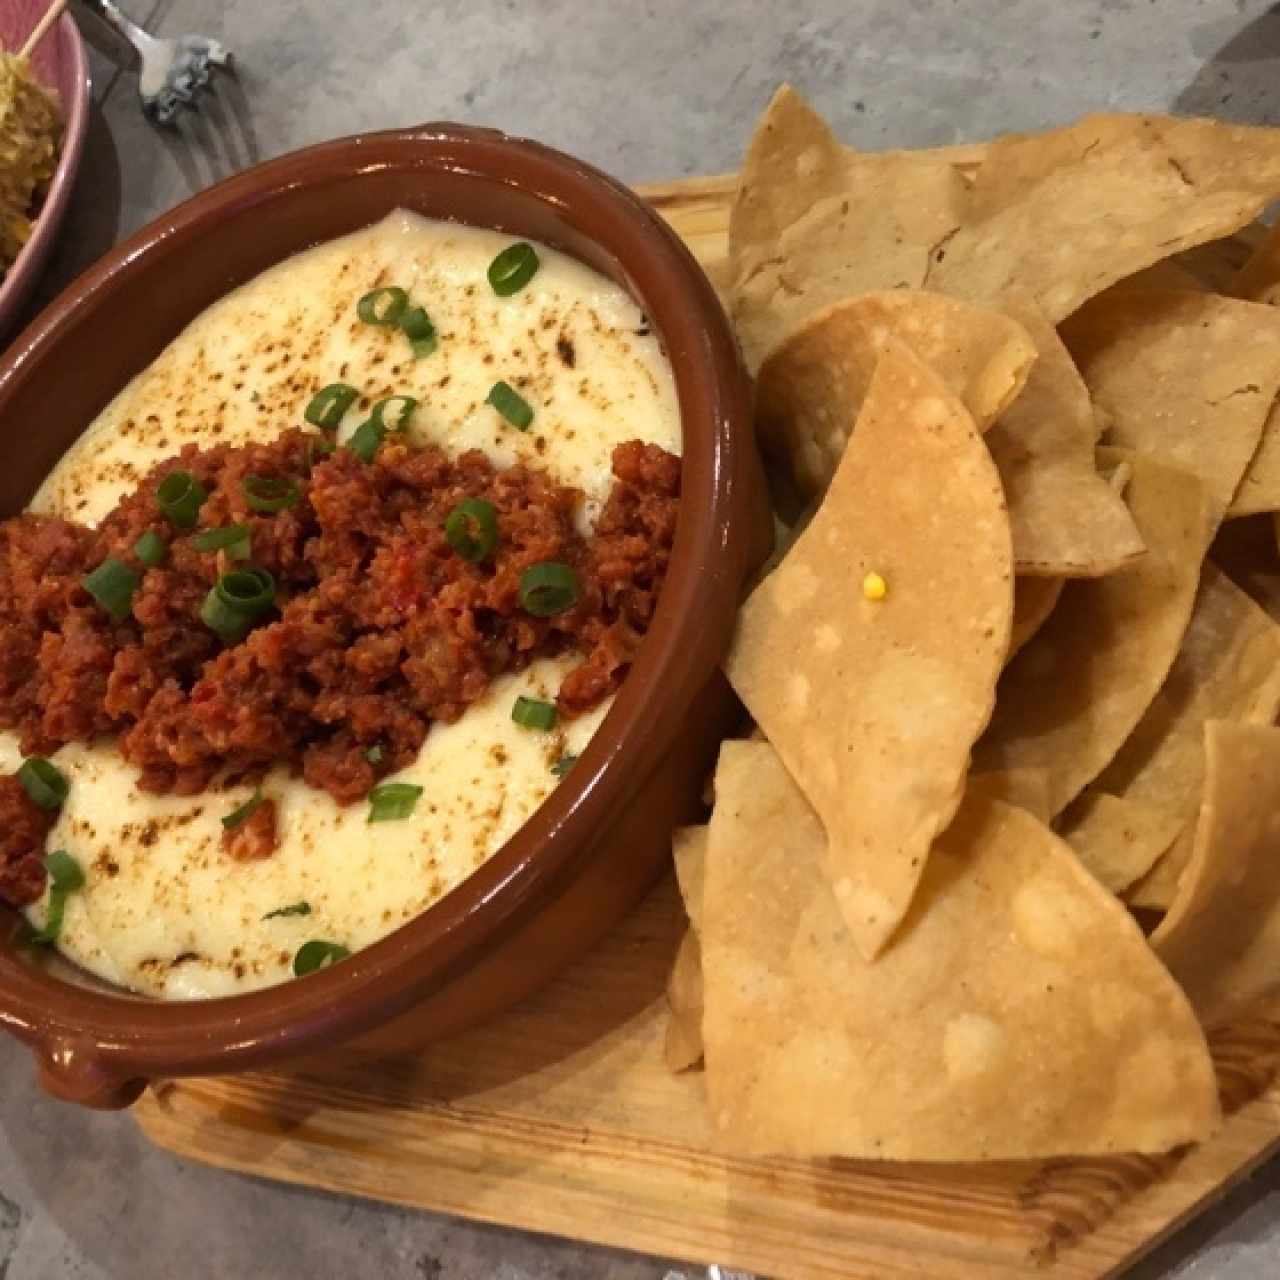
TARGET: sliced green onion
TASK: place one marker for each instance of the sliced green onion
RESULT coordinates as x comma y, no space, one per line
400,419
294,909
318,449
65,877
564,764
231,538
513,268
529,713
511,404
393,801
269,494
472,529
415,323
315,955
180,496
547,588
151,549
417,327
383,306
112,585
329,405
44,783
374,754
238,817
64,871
366,440
236,601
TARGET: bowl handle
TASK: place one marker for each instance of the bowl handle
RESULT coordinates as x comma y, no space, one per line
70,1072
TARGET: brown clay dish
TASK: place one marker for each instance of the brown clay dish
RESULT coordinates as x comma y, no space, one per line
596,845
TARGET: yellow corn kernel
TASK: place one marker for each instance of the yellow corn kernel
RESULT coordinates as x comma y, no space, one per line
874,587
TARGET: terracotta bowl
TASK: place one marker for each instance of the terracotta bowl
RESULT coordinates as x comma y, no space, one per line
599,842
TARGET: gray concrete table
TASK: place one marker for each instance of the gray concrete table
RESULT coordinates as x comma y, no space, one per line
648,90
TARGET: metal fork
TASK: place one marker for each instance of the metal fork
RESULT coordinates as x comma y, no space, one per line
172,71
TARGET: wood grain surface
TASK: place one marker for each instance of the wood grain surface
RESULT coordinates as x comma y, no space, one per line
561,1117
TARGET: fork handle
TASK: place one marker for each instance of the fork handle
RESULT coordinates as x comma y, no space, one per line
114,18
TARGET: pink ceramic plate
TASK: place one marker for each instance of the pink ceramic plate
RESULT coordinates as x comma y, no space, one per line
59,63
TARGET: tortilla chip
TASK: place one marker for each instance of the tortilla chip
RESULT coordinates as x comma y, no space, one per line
1228,668
1069,700
689,848
814,223
1187,377
1259,279
1221,938
1025,788
1033,601
1116,838
1067,521
1019,1013
874,705
1063,215
682,1048
810,389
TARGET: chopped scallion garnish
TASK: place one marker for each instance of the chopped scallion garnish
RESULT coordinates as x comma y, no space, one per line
112,585
315,955
530,713
417,327
236,601
393,801
66,876
329,405
547,588
366,440
374,754
180,496
234,539
269,494
44,783
238,817
151,549
383,306
294,909
472,529
564,764
399,415
513,268
511,404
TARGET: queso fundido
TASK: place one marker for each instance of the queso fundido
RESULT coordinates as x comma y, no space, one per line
326,602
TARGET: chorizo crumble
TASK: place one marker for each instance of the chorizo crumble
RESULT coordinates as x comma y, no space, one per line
379,626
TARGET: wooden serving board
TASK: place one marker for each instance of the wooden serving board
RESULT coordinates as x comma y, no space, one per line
561,1116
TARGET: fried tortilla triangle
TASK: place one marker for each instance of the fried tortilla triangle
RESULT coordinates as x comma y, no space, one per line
1078,688
1019,1014
1227,668
1067,520
1064,215
814,223
1221,937
1189,378
810,388
874,700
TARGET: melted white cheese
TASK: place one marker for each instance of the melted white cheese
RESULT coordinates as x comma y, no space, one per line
165,911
